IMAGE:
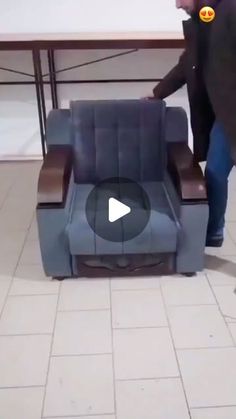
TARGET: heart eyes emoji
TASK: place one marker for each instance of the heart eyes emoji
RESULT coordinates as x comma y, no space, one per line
207,14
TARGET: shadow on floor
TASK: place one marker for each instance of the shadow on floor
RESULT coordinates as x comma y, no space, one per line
219,264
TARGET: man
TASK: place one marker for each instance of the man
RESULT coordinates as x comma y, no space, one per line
208,66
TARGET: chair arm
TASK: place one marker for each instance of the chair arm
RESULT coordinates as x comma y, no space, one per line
54,177
186,173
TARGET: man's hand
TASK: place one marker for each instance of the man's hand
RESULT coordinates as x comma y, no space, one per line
148,98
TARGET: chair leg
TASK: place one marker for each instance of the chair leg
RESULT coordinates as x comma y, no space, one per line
190,274
59,278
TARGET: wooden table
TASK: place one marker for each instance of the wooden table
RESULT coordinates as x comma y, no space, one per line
36,42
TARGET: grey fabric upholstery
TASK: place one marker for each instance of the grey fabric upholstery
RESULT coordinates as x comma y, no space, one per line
119,139
161,233
190,255
53,238
159,236
176,125
58,127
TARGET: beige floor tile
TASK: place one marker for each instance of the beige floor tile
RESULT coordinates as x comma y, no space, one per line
24,360
232,328
221,270
25,184
27,203
226,298
8,265
230,212
187,291
231,227
12,220
232,195
151,399
144,353
83,385
5,283
25,192
221,278
214,413
31,254
8,259
31,280
28,315
12,242
198,327
21,403
4,190
209,376
80,386
228,248
33,231
138,283
2,198
11,245
82,332
85,295
138,309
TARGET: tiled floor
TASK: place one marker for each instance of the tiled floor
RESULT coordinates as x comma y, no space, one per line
146,348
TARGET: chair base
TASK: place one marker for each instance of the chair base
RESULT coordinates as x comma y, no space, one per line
141,272
110,266
129,266
189,274
60,278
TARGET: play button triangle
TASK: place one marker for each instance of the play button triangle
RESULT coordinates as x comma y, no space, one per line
117,210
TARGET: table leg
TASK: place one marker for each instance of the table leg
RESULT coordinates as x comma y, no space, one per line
40,97
52,75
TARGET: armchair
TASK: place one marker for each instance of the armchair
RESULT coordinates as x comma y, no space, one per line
146,142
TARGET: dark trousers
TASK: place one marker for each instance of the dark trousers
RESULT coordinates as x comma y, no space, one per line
218,167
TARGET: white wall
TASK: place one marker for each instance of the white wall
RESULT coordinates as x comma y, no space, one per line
19,129
24,16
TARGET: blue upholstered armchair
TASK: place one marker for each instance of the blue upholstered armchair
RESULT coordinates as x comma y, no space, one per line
144,141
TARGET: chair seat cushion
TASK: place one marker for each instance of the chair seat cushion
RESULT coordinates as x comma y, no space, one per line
159,236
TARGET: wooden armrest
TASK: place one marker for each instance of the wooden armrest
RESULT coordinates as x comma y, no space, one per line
55,176
186,173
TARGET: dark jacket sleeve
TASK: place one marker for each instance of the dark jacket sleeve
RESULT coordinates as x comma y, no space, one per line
173,81
232,21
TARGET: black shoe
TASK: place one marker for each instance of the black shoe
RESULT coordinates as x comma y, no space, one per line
214,241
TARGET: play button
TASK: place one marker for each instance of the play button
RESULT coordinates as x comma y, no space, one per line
117,209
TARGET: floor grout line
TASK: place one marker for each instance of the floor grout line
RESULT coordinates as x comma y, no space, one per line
84,310
6,335
81,355
191,305
97,415
113,355
19,387
173,377
136,289
176,355
50,351
222,314
15,268
206,348
213,407
32,295
7,194
140,327
6,297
